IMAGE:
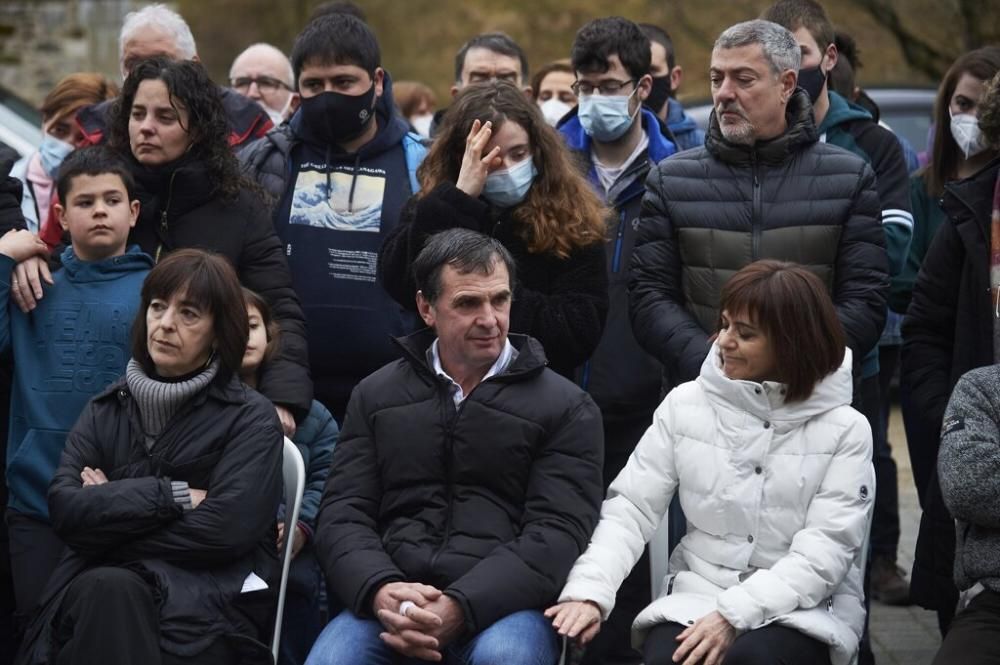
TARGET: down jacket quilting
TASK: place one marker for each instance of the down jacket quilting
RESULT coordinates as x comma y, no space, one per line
491,502
711,211
777,498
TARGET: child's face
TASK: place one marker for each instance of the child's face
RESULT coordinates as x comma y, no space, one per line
257,343
98,215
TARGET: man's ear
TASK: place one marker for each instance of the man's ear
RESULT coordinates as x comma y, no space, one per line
195,58
789,79
643,87
379,81
425,309
454,90
293,105
676,77
831,57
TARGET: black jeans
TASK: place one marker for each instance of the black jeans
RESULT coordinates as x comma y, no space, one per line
35,550
109,616
770,645
974,635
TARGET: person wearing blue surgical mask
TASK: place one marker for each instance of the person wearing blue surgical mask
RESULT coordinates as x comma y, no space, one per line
497,167
60,136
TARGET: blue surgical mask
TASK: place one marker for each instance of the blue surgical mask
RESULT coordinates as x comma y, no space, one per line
606,117
508,187
52,152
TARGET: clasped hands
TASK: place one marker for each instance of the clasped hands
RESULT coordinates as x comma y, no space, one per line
703,643
419,620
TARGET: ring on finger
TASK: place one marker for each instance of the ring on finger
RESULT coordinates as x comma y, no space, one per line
405,606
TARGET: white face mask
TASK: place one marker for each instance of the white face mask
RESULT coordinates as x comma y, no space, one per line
277,117
553,110
965,130
422,123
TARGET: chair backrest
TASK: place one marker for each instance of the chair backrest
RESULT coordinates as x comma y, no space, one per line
294,474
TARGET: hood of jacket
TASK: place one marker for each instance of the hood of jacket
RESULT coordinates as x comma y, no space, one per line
766,400
801,132
678,120
841,111
80,272
660,145
391,130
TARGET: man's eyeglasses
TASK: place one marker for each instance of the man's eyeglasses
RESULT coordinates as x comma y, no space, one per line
583,88
265,84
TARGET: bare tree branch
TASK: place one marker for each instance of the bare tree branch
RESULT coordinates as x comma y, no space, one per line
919,53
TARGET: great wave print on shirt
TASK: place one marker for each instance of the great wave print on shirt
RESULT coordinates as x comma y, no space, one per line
336,209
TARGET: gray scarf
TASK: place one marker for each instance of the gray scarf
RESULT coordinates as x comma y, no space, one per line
158,401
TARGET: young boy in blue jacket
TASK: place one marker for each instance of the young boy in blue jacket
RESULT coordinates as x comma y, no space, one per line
67,349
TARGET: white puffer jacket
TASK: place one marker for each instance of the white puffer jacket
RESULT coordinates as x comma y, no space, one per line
777,498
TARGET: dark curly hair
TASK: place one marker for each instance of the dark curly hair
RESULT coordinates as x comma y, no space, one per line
989,113
189,86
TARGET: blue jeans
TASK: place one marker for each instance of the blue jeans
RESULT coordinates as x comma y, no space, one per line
522,638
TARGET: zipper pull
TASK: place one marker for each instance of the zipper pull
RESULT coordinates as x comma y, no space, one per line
163,221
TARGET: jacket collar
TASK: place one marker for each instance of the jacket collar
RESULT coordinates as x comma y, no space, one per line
971,200
530,358
232,391
660,145
766,400
800,133
841,111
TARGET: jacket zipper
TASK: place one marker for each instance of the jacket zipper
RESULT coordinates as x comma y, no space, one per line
164,225
619,242
755,220
449,451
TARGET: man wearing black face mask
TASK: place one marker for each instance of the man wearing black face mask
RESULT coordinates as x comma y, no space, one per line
340,170
662,99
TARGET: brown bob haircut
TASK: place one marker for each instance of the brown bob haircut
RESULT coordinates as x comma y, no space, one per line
271,327
208,281
561,213
792,307
75,91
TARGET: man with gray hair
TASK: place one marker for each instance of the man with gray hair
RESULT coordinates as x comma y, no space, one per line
157,30
465,482
762,187
264,74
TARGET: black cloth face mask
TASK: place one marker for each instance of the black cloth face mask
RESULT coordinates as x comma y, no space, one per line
335,118
812,79
659,93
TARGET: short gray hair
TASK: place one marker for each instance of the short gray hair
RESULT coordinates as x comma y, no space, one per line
162,18
780,48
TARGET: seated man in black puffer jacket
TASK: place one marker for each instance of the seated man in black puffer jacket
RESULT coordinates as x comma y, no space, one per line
466,482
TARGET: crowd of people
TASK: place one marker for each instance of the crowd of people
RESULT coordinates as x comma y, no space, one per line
512,338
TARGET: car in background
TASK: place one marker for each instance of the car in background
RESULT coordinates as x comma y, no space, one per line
20,123
908,112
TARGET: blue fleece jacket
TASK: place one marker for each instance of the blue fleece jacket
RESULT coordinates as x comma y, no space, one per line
68,349
683,127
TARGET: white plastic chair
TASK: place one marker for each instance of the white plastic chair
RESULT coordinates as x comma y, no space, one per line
659,557
294,473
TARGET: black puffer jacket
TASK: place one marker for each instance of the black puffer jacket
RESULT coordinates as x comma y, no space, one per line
560,302
710,211
492,502
180,209
948,330
227,440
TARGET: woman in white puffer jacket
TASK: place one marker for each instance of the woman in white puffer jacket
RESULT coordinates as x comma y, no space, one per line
773,469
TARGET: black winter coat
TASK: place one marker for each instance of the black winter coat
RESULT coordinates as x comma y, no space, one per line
227,440
562,303
491,502
710,211
10,203
947,331
180,209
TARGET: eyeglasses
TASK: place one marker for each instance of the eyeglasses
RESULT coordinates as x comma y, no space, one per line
583,88
265,84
